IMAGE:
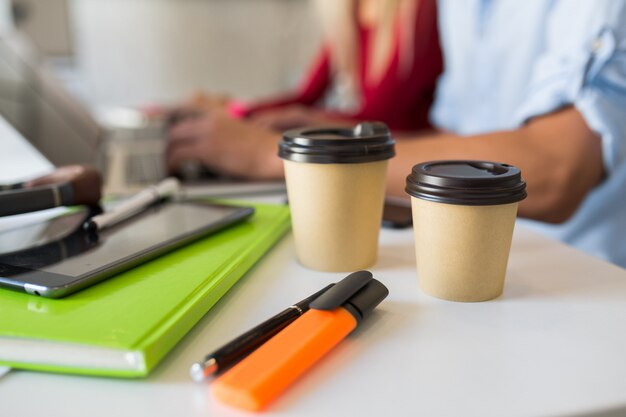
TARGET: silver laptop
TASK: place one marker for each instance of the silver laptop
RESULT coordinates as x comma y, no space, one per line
64,131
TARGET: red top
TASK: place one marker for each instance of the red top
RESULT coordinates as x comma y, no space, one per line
402,101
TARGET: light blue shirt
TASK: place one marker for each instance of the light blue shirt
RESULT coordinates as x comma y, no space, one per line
507,61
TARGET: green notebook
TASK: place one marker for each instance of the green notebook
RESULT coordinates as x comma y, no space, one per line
125,325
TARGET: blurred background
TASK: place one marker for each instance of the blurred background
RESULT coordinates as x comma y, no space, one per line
141,52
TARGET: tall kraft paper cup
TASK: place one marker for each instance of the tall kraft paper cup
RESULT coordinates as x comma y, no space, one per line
463,218
336,185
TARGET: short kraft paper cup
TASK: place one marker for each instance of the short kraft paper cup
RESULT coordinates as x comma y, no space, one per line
336,186
463,219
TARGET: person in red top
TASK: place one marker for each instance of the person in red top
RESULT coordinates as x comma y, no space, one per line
400,95
380,61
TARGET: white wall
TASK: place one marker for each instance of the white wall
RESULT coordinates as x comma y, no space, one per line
133,52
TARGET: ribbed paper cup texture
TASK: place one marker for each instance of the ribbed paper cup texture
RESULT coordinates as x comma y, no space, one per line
462,251
336,212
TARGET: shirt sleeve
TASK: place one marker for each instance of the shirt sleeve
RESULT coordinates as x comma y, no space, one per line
584,65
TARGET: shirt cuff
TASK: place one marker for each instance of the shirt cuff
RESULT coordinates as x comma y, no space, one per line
237,109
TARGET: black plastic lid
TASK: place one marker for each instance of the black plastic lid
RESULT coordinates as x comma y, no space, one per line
473,183
366,142
359,293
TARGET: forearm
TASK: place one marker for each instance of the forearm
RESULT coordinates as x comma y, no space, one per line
559,157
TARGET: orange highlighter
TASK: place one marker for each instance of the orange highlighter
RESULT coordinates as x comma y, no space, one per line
263,375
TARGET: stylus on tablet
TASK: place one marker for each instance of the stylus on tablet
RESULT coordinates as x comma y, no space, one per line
135,204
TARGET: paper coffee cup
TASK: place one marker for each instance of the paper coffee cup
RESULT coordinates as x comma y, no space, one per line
463,218
336,185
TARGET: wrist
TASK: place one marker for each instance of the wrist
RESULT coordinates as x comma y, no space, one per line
269,166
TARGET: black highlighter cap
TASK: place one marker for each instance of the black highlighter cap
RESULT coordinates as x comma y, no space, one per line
472,183
366,142
363,302
359,293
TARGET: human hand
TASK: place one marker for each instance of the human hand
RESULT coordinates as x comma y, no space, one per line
226,145
199,102
289,117
204,101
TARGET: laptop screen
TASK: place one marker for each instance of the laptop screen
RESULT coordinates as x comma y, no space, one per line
19,161
42,112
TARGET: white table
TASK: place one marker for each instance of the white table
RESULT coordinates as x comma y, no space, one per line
553,345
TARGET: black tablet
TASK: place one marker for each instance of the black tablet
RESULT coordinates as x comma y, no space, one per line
56,264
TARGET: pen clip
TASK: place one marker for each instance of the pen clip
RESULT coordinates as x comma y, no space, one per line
342,291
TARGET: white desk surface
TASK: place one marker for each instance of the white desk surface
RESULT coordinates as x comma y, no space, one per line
553,345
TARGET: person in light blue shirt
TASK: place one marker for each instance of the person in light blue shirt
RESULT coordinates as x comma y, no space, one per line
540,84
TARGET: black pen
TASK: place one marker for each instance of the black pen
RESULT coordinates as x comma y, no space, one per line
237,349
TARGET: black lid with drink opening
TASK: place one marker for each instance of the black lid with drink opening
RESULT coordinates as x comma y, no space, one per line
473,183
366,142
